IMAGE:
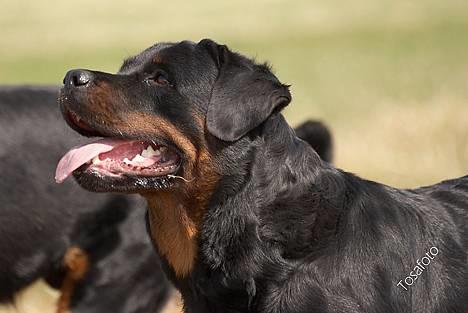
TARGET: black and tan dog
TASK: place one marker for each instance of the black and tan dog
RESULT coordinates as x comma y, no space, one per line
246,216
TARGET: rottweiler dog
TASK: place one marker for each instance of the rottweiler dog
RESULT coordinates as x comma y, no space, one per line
245,216
92,247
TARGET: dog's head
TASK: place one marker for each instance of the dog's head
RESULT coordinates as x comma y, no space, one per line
165,115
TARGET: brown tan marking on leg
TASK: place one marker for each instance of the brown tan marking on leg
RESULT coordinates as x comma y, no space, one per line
76,265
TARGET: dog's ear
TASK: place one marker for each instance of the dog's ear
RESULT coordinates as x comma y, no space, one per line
244,95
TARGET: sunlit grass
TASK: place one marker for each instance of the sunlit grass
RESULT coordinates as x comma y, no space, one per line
390,77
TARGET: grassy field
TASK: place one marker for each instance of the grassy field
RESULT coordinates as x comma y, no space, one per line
390,77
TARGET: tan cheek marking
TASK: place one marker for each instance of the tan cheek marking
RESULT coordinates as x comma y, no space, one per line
157,59
101,103
158,126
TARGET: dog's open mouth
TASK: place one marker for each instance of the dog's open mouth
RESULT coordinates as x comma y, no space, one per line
119,158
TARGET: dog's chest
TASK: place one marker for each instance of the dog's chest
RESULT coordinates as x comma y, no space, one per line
174,234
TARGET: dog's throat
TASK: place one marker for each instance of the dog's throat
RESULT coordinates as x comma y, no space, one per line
174,232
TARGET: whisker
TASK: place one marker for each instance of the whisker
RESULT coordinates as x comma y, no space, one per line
180,177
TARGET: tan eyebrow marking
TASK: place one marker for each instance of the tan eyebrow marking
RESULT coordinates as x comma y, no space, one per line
157,59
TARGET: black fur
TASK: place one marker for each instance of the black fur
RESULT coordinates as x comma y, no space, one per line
321,137
239,84
40,219
283,230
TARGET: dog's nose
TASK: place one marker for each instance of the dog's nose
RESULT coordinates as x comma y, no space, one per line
77,78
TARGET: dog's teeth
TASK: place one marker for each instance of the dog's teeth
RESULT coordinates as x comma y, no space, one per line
149,152
127,161
138,158
96,160
146,153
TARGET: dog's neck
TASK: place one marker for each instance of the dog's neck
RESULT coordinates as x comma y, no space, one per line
284,169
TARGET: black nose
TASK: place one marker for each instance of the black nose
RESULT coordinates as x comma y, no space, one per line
77,78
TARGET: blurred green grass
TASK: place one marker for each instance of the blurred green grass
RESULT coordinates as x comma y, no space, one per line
389,77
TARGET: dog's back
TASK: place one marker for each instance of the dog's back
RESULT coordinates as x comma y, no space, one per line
453,196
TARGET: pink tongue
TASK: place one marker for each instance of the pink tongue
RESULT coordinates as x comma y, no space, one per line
80,155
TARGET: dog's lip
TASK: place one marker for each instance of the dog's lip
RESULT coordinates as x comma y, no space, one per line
89,169
94,181
78,124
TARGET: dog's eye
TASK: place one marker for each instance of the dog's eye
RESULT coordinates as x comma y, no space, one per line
158,78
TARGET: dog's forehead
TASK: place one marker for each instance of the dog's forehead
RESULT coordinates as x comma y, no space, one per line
155,54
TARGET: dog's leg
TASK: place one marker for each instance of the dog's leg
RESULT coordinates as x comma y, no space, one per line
76,265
